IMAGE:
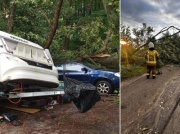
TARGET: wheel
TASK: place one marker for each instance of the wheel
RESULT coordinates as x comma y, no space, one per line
104,87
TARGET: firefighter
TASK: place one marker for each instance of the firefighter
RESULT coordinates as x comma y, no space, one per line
151,57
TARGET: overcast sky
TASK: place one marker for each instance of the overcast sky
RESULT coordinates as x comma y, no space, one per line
156,13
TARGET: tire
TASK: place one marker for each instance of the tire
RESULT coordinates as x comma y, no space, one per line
104,87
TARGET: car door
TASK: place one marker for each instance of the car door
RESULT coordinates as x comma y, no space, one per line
76,71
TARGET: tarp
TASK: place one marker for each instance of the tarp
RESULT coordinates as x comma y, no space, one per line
84,95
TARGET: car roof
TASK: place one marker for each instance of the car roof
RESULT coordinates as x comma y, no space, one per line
61,63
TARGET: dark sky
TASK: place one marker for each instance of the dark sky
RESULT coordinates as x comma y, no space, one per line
155,13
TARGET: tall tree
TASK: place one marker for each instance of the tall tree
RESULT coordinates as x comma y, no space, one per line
142,35
8,8
55,24
112,11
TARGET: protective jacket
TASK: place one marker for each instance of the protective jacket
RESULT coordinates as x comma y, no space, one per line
151,57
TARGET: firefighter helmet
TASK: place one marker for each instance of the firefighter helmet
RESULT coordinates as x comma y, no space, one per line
151,45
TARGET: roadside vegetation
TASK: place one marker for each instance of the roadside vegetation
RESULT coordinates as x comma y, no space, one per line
133,48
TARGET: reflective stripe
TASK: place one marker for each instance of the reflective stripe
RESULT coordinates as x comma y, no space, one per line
153,55
151,63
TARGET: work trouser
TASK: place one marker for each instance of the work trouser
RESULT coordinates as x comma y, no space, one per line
151,69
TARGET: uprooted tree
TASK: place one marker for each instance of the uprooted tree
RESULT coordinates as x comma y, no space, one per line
166,42
167,45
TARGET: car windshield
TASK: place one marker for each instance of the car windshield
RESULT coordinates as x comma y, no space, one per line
99,67
77,67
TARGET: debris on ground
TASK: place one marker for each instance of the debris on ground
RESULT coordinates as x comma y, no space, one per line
11,118
66,119
1,119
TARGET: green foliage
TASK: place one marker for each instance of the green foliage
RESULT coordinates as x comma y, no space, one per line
112,10
112,62
132,70
86,33
65,56
142,35
134,63
117,100
168,49
89,35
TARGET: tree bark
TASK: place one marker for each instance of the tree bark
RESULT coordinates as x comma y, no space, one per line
10,19
83,9
66,39
55,24
153,38
45,15
113,21
100,4
66,42
90,6
109,32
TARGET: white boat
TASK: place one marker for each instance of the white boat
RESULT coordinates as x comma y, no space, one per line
22,61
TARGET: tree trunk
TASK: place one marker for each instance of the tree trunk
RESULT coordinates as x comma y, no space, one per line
70,2
45,15
55,24
107,40
113,21
100,5
95,5
90,6
66,40
84,9
10,17
66,43
153,38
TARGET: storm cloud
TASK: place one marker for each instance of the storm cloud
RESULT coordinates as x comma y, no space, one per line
155,13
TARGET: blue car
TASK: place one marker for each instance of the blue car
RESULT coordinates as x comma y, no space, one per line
105,81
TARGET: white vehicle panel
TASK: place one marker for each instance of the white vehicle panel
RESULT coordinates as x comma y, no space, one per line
25,62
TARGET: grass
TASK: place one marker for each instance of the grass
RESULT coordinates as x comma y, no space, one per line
128,71
117,100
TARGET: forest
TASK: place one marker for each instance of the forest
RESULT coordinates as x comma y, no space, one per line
133,48
73,30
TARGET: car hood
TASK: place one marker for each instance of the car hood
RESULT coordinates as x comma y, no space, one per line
105,73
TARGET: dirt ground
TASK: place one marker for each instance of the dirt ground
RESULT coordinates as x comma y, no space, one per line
151,106
65,119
